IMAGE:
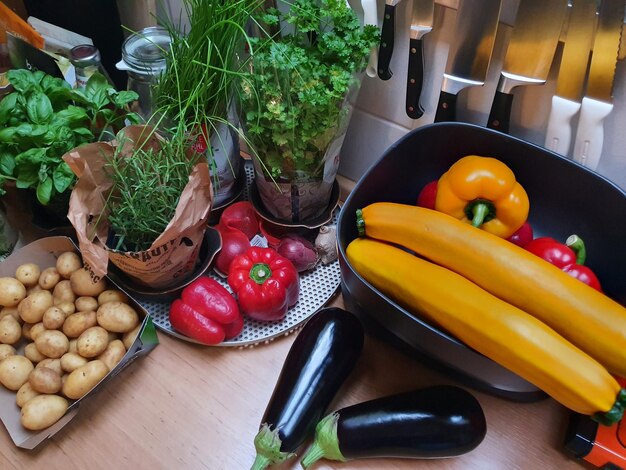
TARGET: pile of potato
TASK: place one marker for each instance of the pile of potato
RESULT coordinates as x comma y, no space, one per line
75,330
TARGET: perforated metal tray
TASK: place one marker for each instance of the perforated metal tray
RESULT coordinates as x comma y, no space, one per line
317,287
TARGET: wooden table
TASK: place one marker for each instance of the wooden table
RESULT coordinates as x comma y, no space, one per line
190,407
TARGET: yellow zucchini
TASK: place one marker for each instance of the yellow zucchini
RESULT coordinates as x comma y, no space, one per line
587,318
493,327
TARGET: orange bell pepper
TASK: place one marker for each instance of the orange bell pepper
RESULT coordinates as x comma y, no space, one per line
483,191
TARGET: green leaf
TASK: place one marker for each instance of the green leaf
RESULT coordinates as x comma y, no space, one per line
7,106
39,108
97,90
22,80
71,116
27,174
62,177
34,156
125,97
134,118
7,163
8,135
44,191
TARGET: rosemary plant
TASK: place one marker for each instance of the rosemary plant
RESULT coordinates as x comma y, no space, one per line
147,188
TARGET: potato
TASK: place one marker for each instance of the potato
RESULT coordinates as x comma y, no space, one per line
24,394
67,263
28,274
71,361
32,289
86,303
53,364
78,322
10,311
112,295
73,346
49,278
129,338
82,284
52,343
113,354
67,307
12,291
53,318
32,353
14,371
92,342
10,330
43,411
117,317
6,350
32,308
35,330
63,293
83,379
44,380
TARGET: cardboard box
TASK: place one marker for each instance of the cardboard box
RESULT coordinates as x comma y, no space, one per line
44,252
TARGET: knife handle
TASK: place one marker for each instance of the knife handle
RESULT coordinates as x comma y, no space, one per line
446,108
590,133
415,79
559,130
386,42
500,114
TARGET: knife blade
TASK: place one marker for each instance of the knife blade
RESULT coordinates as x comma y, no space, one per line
571,78
470,52
387,33
598,101
421,24
529,54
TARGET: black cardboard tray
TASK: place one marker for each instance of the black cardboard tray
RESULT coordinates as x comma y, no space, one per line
565,198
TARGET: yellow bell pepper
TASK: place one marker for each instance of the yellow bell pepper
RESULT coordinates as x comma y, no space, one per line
483,191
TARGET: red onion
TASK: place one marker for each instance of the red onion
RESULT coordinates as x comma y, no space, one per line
234,242
241,216
300,251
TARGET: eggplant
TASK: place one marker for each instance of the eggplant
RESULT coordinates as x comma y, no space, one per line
433,422
319,361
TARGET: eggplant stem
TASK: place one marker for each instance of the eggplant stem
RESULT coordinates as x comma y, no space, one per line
267,444
326,443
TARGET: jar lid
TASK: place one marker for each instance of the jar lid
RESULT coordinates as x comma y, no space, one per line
84,55
144,51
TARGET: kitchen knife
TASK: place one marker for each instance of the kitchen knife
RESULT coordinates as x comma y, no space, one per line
598,100
385,51
421,24
529,54
370,16
470,52
572,72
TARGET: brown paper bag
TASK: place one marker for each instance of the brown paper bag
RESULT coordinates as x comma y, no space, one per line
174,253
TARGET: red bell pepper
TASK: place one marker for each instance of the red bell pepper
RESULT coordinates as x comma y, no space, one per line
569,257
266,283
522,235
206,312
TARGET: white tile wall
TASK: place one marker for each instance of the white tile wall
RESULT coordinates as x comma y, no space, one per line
379,118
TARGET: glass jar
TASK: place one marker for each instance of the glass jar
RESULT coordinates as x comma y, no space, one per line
143,58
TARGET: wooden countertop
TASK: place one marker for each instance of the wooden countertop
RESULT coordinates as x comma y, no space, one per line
190,407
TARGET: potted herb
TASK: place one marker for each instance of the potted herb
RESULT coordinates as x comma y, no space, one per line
141,202
195,92
43,119
296,102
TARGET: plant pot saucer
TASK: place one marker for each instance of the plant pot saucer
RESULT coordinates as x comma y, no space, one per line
309,224
211,245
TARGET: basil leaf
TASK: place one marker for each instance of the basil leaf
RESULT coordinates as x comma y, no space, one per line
44,191
7,163
8,135
22,80
134,118
125,97
73,115
39,108
7,105
34,156
27,173
62,177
